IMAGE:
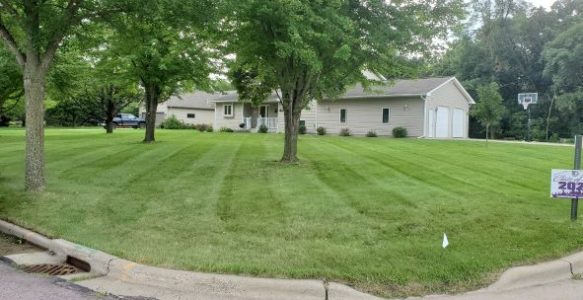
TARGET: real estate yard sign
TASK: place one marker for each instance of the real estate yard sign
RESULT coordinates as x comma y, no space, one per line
569,183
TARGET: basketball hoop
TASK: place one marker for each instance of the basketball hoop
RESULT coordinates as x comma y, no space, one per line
526,99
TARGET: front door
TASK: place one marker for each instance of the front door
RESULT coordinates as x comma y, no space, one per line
263,111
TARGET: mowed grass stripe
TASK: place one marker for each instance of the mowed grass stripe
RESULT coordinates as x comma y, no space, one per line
370,212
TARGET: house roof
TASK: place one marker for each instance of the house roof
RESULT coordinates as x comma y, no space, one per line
398,88
198,100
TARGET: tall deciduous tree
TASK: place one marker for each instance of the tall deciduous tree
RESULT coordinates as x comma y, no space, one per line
564,64
304,50
489,110
33,31
168,47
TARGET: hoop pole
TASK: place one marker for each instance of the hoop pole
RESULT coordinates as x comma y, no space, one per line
528,136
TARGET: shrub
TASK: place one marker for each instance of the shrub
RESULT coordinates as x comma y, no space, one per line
173,123
210,129
202,127
263,129
400,132
345,132
371,133
226,129
302,129
321,131
241,125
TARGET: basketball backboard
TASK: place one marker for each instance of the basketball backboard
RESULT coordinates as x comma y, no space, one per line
526,99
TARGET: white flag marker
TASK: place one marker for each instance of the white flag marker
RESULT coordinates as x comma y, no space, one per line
445,241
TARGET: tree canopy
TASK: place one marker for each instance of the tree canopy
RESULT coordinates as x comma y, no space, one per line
303,50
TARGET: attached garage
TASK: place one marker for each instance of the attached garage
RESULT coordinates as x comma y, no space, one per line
447,111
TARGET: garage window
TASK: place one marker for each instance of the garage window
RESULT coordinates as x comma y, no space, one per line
228,111
343,115
386,113
190,116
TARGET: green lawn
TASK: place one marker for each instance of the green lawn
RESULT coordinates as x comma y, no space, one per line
369,212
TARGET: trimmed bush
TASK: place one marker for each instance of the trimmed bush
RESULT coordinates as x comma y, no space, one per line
371,133
226,129
321,131
210,129
263,129
400,132
302,129
345,132
173,123
202,127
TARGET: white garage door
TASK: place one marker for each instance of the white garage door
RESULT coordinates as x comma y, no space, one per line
458,123
442,122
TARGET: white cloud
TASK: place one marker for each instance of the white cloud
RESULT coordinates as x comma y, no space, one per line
545,3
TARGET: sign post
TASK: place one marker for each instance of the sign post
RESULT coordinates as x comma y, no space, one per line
568,184
577,166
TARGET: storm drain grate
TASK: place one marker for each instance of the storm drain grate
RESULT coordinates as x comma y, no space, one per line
53,270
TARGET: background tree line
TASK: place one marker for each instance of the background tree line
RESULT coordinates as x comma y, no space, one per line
523,49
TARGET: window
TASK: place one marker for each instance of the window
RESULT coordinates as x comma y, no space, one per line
303,123
190,116
228,112
343,115
386,113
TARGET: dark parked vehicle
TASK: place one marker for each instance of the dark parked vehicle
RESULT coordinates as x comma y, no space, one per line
128,120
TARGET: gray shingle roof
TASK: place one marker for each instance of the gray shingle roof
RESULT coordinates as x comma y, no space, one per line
200,100
397,88
406,87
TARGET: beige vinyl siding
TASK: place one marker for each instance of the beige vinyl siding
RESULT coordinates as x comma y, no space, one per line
363,115
308,114
451,97
201,116
228,122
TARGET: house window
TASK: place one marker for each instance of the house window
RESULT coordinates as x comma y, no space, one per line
303,123
386,113
190,116
343,115
228,111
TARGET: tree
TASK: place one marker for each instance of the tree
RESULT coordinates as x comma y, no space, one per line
489,110
303,50
168,47
33,31
11,90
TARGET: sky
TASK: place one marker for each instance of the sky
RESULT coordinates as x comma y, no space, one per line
545,3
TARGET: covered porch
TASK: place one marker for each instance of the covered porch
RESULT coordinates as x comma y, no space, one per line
264,114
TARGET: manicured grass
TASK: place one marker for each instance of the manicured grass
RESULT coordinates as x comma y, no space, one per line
369,212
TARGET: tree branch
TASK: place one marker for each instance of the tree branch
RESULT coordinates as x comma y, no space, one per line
11,44
59,35
8,7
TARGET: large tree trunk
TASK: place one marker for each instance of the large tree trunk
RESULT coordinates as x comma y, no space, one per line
152,96
292,122
34,93
110,111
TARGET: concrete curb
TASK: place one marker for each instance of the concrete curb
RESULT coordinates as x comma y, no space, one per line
202,285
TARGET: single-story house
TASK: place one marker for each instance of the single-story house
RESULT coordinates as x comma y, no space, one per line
192,108
431,107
